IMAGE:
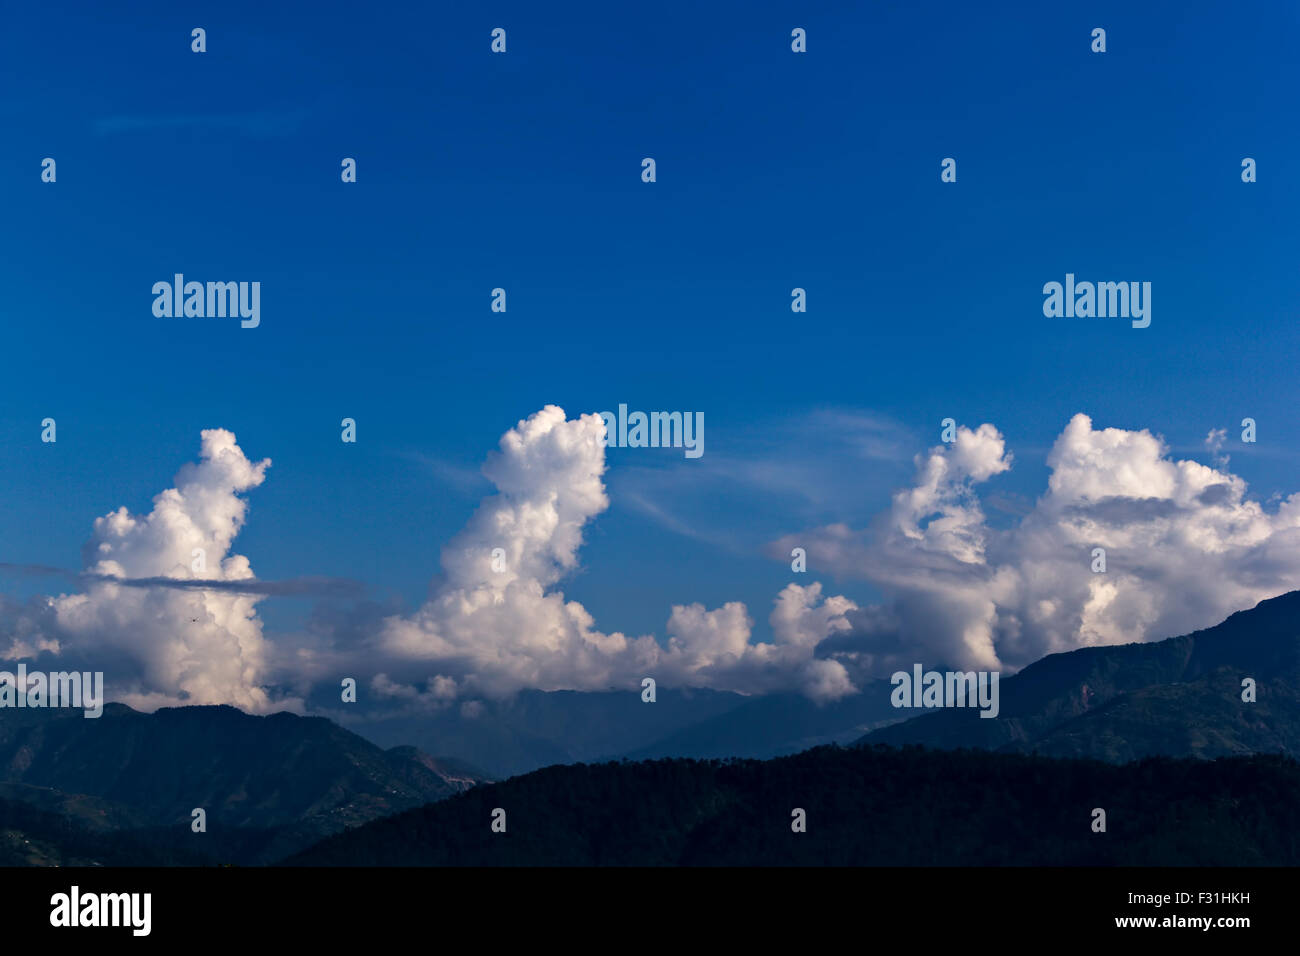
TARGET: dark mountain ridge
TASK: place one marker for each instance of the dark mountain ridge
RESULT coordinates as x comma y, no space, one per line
1177,697
864,806
291,780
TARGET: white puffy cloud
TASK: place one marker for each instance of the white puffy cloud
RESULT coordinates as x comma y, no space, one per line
496,631
492,632
1184,547
176,645
1184,544
940,514
714,648
495,623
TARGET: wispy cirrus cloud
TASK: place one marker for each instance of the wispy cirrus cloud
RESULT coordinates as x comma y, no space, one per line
263,124
778,470
461,477
305,586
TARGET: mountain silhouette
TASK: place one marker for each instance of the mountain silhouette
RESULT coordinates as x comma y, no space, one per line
876,806
1157,734
266,784
1177,697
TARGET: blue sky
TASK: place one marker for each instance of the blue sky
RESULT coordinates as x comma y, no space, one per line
775,170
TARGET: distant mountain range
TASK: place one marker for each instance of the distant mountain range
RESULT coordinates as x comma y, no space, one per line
120,789
877,805
1178,697
267,785
536,729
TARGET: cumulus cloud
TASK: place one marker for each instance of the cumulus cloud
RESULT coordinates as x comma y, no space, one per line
29,629
169,604
1184,545
499,630
200,645
714,649
497,623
